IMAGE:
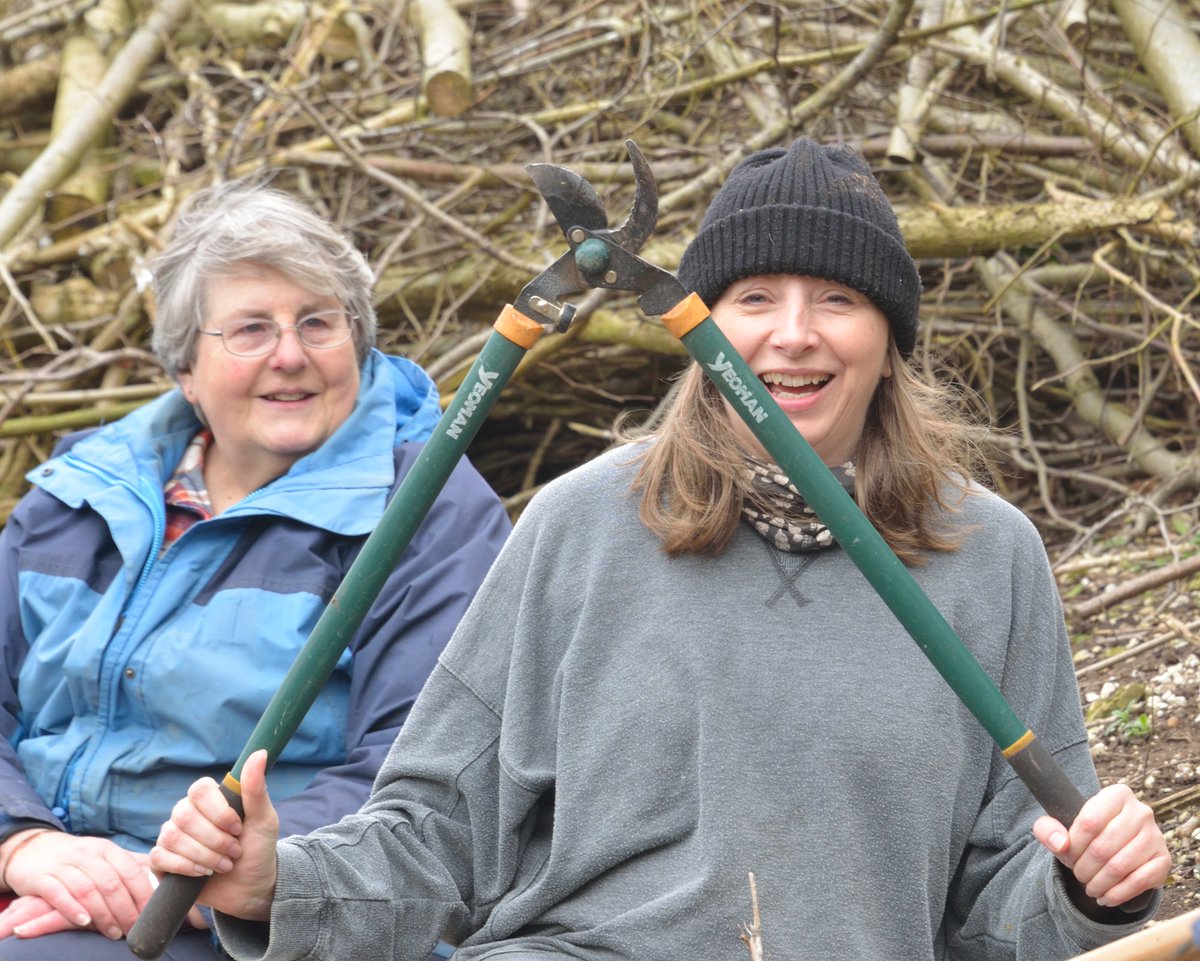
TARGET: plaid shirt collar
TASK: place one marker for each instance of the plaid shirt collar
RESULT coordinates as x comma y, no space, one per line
185,493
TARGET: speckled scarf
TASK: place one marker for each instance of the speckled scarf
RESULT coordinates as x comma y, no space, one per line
776,511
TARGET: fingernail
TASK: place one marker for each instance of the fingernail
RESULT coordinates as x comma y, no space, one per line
1058,841
82,920
114,933
20,930
224,865
207,872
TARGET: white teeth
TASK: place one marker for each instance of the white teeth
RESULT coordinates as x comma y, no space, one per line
286,397
791,380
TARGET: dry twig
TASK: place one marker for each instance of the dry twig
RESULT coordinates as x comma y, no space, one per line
751,934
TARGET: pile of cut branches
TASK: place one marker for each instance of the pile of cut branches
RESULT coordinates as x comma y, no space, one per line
1044,158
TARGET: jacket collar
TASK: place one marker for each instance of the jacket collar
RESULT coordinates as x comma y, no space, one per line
353,471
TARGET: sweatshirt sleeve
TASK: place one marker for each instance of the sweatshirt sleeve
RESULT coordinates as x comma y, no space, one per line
439,842
402,635
1008,899
389,881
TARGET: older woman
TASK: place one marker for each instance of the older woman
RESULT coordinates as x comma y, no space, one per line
166,569
673,677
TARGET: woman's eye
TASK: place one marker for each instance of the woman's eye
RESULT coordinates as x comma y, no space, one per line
314,323
840,297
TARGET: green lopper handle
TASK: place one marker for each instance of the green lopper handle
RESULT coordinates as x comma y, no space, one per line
691,321
513,335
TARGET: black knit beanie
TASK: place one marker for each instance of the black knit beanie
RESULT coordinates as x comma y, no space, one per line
810,210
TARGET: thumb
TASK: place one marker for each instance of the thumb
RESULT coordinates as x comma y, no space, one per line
256,801
1051,833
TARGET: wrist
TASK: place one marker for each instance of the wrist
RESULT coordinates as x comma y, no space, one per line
12,846
259,905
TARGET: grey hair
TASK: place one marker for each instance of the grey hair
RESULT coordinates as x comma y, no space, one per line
246,222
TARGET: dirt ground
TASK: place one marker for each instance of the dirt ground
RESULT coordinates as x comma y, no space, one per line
1138,663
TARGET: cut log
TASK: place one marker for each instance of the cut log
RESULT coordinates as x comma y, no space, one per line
446,56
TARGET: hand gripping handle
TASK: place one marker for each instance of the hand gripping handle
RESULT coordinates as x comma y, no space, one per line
1058,796
164,914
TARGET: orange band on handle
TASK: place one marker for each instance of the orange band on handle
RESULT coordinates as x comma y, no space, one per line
1019,744
233,784
518,328
686,315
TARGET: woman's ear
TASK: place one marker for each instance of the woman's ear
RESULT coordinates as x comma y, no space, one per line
186,386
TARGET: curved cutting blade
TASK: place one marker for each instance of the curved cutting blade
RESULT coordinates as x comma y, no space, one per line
572,199
640,223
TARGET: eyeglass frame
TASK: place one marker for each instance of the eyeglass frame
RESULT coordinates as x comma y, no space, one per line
279,331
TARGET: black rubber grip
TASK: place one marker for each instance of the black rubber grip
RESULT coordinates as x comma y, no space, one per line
168,907
164,914
1059,798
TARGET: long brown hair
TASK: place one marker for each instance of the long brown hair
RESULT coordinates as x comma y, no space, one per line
916,449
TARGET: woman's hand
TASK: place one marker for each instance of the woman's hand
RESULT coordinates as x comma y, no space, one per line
31,917
205,836
1114,848
87,882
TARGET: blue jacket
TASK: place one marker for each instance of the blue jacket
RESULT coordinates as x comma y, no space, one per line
125,677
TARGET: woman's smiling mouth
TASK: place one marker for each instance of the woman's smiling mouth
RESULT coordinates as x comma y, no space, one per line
794,385
289,396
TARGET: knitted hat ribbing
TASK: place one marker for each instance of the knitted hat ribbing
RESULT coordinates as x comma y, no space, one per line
810,210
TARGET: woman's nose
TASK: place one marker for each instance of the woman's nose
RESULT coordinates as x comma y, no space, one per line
794,330
289,352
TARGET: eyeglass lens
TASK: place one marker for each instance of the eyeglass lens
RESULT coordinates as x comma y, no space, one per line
249,336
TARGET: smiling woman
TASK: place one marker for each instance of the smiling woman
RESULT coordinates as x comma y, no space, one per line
269,407
167,568
819,346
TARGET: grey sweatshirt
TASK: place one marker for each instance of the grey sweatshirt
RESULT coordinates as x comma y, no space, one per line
614,739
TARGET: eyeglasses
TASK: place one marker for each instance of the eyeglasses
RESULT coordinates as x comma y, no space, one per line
254,336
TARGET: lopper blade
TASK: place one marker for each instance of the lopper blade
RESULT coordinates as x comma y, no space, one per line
572,199
640,223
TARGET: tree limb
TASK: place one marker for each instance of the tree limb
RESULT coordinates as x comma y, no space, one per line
57,161
1167,45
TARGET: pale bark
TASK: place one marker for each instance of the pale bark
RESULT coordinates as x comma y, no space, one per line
915,95
24,85
1172,939
1089,400
83,68
270,23
62,155
446,56
1072,108
629,329
934,230
1137,585
38,16
1072,20
1169,50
